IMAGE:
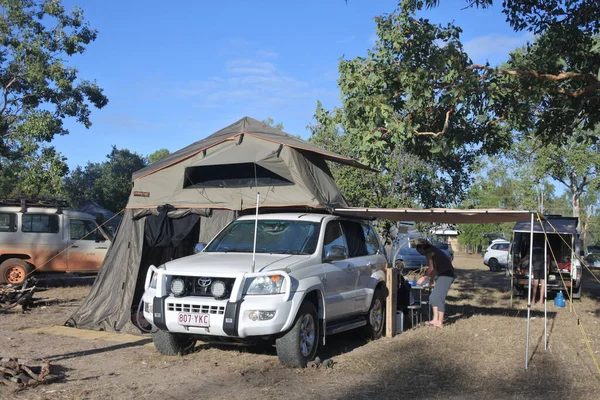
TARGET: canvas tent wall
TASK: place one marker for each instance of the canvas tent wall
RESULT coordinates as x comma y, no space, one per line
193,193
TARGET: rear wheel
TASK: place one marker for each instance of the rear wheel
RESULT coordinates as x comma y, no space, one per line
493,264
376,316
577,291
299,345
172,344
14,270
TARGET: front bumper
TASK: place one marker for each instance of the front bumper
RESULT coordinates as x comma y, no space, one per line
227,318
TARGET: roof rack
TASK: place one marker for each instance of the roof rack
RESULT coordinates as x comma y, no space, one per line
24,203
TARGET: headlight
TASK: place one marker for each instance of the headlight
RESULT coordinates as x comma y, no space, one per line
265,285
178,287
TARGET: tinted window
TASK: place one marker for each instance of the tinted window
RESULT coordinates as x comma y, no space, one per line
371,239
333,237
40,223
274,236
8,222
355,238
82,229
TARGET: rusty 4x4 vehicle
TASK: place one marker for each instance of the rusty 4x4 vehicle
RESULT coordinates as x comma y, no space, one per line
44,237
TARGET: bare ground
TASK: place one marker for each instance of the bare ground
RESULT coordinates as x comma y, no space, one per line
480,352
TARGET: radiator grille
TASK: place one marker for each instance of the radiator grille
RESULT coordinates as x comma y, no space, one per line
195,308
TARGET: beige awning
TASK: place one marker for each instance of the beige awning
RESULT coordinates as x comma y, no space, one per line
440,215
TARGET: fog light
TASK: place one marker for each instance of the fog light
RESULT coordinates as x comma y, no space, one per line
261,315
178,287
266,315
218,289
148,307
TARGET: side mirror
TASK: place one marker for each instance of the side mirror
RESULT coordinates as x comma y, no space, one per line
336,253
199,247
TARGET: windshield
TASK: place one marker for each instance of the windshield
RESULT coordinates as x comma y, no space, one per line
274,236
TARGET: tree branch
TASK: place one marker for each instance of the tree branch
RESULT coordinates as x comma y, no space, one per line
519,72
443,131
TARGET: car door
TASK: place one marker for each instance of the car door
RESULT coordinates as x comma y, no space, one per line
87,246
338,279
366,264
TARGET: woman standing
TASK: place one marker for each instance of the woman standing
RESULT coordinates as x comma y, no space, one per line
441,271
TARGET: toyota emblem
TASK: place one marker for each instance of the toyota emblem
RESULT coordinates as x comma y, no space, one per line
204,282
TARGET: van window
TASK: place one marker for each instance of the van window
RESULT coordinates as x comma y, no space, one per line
40,223
8,222
82,229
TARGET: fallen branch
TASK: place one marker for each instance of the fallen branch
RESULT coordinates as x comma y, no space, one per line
15,371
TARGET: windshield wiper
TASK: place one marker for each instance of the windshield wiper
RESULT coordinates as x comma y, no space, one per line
245,251
292,252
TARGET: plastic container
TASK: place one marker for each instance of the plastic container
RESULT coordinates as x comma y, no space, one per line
559,300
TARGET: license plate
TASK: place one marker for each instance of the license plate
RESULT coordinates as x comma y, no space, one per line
551,277
188,319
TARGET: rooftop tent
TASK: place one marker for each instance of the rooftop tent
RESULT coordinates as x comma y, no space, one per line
228,168
191,195
564,225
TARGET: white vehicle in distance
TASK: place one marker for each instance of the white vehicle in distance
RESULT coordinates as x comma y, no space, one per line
313,275
496,255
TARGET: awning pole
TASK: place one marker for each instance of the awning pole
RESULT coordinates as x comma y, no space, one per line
545,288
255,232
512,270
529,293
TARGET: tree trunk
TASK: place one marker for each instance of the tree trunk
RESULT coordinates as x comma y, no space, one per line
576,213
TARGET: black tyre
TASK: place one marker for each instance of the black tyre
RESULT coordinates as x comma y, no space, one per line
172,344
299,345
493,264
14,270
518,291
376,316
577,291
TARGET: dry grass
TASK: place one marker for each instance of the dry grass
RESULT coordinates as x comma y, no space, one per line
479,353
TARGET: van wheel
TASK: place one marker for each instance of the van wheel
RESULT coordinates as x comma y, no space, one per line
14,271
172,344
299,345
577,292
376,316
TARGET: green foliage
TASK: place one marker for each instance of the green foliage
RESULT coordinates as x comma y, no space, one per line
108,183
271,122
38,90
158,155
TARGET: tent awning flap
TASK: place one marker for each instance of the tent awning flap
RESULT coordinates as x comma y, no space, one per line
441,215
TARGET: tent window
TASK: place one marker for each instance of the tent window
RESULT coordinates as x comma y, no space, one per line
231,176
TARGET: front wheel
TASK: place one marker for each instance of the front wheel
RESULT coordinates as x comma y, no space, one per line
172,344
299,345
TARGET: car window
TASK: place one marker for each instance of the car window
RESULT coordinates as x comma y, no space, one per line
82,229
355,238
40,223
371,240
504,246
333,237
8,222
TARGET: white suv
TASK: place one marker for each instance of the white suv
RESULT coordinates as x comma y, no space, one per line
496,255
312,275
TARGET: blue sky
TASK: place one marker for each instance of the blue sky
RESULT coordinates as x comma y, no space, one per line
175,72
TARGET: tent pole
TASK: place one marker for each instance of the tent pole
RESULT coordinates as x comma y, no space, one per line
545,288
255,232
512,271
529,293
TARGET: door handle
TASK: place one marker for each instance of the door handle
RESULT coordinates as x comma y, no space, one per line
74,247
101,247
